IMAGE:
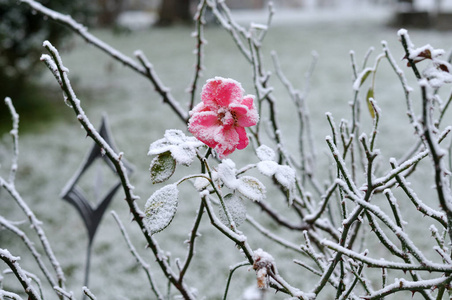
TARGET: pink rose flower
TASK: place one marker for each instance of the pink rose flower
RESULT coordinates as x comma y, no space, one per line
219,121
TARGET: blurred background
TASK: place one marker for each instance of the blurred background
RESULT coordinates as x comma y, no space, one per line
53,145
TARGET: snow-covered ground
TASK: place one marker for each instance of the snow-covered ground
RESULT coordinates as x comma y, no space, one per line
137,117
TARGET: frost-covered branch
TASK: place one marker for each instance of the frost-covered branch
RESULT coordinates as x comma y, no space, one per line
200,42
442,186
10,187
15,135
8,225
24,280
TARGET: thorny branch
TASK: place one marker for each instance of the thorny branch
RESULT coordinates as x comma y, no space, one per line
335,237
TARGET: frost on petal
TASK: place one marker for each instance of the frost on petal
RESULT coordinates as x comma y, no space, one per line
209,91
265,153
246,116
162,167
228,92
199,108
267,167
204,126
251,188
174,136
227,140
239,110
161,208
236,208
248,101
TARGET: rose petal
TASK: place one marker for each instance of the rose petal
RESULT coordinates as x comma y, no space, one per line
243,138
228,92
248,100
238,109
244,117
227,139
209,91
204,126
199,108
223,152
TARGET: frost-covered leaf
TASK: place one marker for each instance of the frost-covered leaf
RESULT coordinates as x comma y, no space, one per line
267,167
265,153
182,148
251,188
174,136
236,208
183,155
161,208
438,74
162,167
226,172
285,175
361,78
159,146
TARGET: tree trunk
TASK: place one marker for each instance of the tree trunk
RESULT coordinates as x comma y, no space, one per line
174,11
109,11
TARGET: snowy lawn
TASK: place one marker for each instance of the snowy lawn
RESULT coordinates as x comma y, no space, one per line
48,158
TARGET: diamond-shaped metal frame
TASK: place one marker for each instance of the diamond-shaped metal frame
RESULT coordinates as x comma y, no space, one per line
72,193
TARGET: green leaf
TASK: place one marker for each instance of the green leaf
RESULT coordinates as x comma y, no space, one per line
364,75
236,208
370,94
162,167
251,188
161,208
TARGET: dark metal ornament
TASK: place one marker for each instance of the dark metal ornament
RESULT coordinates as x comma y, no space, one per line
73,193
